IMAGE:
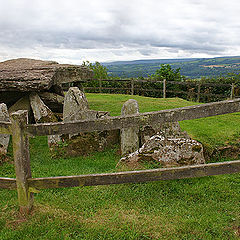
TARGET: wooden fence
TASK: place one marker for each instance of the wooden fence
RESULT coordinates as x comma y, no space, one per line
21,131
195,91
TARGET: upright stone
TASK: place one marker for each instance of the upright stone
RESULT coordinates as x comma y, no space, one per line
75,102
129,136
4,138
43,114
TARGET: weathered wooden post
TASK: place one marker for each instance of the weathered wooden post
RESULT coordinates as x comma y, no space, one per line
22,160
129,136
100,85
232,91
132,87
164,88
198,92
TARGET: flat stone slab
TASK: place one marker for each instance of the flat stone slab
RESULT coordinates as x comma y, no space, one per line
27,75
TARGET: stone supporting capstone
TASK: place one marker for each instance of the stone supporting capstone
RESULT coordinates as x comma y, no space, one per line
4,138
43,114
129,136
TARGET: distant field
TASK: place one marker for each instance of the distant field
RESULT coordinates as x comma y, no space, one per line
192,68
201,208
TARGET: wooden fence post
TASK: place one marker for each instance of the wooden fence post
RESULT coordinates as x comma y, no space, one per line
21,160
100,85
164,88
232,91
198,92
132,87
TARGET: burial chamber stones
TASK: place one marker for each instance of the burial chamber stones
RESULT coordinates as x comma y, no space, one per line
20,77
34,85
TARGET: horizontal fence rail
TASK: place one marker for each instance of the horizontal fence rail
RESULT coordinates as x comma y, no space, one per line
136,176
8,183
21,130
142,119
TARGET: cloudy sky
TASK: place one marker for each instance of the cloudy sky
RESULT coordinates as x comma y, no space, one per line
70,31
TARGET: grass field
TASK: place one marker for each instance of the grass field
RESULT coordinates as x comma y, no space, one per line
201,208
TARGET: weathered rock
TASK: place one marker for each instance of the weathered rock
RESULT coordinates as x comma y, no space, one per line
53,101
167,130
75,102
22,104
86,143
4,138
129,136
76,109
168,152
43,114
28,75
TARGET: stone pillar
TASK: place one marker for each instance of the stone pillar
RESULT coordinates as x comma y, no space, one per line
75,102
4,138
129,136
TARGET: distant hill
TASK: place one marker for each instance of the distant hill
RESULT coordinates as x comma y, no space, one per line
190,67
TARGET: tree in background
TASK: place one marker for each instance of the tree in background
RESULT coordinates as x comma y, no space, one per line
167,72
100,71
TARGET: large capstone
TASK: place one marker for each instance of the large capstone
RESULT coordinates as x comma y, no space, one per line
129,136
4,138
168,152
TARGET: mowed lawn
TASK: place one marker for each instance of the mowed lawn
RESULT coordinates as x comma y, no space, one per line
200,208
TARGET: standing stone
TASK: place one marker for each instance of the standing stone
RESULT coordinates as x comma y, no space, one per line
42,114
4,138
75,102
129,136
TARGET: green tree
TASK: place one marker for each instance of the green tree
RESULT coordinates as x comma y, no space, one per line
100,71
167,72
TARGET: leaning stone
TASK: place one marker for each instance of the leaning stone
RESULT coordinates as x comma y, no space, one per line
4,138
42,114
22,104
129,136
75,101
53,101
168,152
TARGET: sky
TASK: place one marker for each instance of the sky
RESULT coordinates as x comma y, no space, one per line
72,31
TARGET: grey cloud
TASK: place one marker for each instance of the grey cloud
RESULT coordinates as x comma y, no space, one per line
120,27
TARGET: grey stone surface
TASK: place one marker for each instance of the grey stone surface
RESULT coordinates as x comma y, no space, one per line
129,136
4,138
42,114
28,75
167,130
75,102
168,152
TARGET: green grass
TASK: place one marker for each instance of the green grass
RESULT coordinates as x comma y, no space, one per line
202,208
